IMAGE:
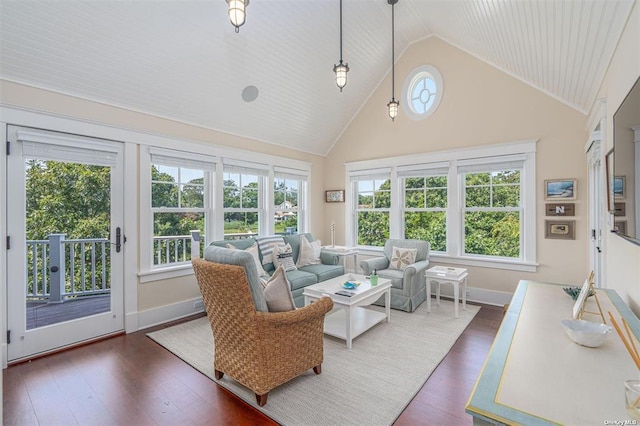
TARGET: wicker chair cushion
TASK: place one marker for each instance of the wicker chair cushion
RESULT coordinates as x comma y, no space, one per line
277,292
241,258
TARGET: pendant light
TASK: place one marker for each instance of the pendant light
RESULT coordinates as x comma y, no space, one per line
237,12
341,69
393,105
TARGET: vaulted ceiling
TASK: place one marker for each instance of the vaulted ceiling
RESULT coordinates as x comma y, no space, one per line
181,59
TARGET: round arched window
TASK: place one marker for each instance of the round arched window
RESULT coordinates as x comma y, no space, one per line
422,92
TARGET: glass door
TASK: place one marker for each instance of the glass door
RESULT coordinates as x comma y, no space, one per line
64,216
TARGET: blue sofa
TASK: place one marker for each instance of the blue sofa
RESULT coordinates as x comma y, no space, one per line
300,278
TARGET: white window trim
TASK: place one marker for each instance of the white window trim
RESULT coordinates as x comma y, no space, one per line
409,82
524,150
214,227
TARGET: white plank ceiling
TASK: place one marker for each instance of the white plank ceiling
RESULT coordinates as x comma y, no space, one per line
181,59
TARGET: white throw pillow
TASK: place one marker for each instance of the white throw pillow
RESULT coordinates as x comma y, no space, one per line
402,257
309,252
283,256
277,292
253,250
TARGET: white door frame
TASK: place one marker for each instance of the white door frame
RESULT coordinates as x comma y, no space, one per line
29,342
595,149
29,118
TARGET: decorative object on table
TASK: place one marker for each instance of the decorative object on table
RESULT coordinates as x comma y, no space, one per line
586,333
560,229
350,285
588,289
631,343
560,189
619,187
619,209
334,196
373,278
560,209
333,234
574,292
632,398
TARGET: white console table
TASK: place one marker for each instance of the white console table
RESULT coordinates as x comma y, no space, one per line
535,374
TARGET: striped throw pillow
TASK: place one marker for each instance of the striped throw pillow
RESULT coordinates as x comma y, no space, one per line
266,246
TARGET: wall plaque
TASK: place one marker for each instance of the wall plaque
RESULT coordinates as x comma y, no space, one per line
560,209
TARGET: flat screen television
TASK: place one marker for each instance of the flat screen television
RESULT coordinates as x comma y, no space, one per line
625,183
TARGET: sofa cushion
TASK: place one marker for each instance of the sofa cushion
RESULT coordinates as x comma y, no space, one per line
395,275
309,252
299,279
253,250
402,257
324,272
282,256
294,240
241,244
219,254
266,245
277,292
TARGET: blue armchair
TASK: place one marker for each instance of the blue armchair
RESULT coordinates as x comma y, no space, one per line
408,288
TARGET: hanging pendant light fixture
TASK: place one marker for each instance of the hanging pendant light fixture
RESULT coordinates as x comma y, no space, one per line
237,12
393,105
341,69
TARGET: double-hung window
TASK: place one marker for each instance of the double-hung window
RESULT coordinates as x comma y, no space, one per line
474,206
243,203
425,202
372,189
180,203
492,208
288,200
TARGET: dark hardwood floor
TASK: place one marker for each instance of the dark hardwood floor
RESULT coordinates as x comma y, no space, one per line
131,380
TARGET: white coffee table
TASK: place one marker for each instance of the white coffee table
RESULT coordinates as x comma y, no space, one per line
349,319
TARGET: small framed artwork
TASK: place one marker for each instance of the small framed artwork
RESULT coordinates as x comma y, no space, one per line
609,172
560,229
560,189
619,187
620,226
334,196
619,209
560,209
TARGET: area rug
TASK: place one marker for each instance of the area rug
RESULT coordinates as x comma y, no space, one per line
369,384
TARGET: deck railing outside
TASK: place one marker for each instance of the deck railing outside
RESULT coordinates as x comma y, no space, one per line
176,248
59,269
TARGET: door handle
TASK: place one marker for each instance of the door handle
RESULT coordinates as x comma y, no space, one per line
118,239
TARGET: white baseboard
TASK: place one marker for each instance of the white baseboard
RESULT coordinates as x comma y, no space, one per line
478,295
162,314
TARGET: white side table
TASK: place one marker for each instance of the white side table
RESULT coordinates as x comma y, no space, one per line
444,275
342,252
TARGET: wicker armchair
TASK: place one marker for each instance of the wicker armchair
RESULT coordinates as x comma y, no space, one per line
260,350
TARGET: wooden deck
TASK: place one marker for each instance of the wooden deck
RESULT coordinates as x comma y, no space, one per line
41,313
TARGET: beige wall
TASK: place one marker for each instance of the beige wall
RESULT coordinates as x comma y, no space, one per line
480,106
623,257
159,293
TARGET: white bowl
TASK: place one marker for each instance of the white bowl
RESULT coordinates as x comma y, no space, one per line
586,333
